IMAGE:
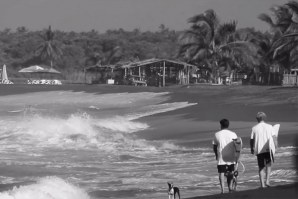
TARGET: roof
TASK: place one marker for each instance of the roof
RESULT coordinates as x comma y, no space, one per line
38,69
153,61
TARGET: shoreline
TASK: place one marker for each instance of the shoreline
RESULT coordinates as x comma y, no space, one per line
288,191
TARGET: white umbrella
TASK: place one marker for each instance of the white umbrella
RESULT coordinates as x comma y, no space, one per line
38,69
4,73
32,69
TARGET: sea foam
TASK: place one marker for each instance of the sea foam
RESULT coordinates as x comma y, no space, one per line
46,188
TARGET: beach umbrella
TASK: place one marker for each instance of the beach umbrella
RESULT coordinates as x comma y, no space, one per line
32,69
38,69
52,70
4,73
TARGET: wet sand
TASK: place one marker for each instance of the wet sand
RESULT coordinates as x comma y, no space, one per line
285,191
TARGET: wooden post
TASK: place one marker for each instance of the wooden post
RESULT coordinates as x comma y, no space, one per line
85,75
164,74
140,72
187,78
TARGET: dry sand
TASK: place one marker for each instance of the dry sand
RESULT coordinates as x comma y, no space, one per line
237,103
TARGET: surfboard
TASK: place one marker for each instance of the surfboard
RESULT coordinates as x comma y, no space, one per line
238,147
272,147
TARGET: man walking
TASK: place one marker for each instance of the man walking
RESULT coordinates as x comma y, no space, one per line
224,150
259,145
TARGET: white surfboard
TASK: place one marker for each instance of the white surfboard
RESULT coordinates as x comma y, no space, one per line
272,147
276,129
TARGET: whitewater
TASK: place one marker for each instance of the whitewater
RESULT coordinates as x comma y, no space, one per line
77,145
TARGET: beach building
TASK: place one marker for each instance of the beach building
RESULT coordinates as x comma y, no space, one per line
291,78
149,72
157,72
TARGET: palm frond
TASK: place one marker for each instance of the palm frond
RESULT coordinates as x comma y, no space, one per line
295,34
266,18
293,5
201,54
225,30
284,49
209,17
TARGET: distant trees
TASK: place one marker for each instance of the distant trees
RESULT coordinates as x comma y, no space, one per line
69,52
280,47
49,48
222,48
208,42
215,47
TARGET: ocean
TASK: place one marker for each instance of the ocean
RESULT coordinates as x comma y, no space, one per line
78,145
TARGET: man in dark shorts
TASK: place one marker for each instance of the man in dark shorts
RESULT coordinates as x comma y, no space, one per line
224,150
259,145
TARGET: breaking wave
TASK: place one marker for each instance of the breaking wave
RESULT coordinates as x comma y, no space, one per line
78,130
46,188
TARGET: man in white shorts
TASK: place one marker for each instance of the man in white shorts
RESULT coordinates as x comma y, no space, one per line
224,150
259,145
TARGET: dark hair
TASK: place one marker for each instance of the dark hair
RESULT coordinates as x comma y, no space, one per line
224,123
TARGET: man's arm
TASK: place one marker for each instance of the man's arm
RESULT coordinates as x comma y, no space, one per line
215,151
252,143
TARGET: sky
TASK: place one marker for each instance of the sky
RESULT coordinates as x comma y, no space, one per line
101,15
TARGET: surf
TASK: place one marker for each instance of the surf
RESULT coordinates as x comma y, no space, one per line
46,188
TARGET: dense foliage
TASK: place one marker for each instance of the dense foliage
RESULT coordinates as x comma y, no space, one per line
71,51
216,47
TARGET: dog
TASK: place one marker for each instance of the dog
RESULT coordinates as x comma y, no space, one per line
232,176
172,191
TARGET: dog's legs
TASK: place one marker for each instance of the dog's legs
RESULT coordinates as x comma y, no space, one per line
178,192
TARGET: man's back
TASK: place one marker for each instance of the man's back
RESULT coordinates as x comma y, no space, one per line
224,141
261,134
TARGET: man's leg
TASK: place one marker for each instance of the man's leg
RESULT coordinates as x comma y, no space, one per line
229,180
268,172
262,176
261,164
230,176
222,182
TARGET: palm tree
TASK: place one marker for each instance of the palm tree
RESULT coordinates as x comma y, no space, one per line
284,31
213,43
49,49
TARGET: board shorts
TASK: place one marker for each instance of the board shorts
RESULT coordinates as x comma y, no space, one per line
225,168
263,159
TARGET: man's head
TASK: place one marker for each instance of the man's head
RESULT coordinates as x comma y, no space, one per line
224,123
261,116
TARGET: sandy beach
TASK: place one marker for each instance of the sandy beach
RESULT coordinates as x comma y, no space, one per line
285,191
194,125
